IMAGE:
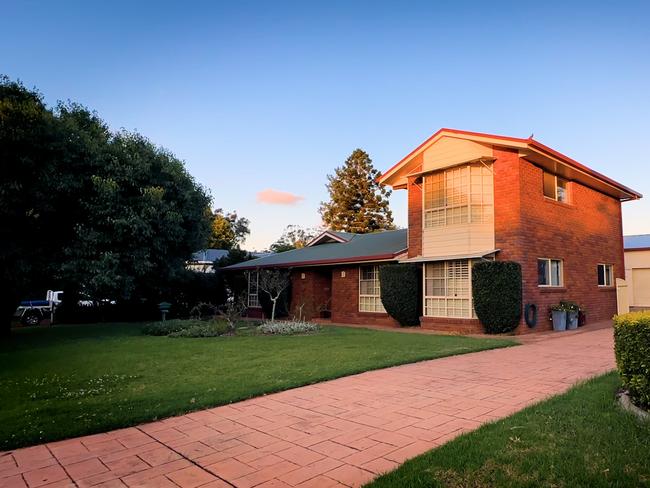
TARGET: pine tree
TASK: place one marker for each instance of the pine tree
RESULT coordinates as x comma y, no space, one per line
357,202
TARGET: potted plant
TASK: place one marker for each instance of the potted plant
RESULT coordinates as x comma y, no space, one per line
572,310
558,314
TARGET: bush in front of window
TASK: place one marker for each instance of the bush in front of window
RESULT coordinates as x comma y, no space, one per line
496,290
632,348
400,294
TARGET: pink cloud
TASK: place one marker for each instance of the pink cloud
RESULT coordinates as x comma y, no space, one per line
276,197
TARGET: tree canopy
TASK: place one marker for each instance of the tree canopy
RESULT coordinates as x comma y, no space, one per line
357,202
293,237
228,230
87,209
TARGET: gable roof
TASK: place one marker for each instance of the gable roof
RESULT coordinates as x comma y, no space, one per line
639,242
330,236
378,246
529,149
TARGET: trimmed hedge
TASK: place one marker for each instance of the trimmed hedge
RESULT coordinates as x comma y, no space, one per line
400,292
632,347
496,290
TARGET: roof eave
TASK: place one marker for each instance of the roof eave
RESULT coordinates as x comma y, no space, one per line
320,262
530,143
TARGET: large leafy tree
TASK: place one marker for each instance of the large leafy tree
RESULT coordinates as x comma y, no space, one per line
87,209
228,231
30,152
143,216
293,237
357,202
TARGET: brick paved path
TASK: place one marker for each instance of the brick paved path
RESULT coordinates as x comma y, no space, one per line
338,433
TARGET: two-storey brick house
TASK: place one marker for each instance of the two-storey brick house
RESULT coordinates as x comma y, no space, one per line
475,196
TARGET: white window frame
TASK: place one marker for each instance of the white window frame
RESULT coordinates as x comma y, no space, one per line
555,187
471,313
253,300
606,267
376,298
550,285
446,208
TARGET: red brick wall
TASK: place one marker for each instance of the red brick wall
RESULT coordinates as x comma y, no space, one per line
415,214
582,233
255,313
463,326
311,294
507,205
345,300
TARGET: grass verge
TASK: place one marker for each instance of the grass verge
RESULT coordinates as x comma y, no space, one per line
581,438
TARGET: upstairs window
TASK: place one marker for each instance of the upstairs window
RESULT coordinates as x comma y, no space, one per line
369,291
253,287
555,188
460,195
549,272
605,275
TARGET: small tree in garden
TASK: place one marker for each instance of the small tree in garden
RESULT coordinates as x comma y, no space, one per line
273,283
233,310
496,291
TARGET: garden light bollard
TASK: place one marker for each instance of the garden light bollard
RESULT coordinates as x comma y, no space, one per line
164,308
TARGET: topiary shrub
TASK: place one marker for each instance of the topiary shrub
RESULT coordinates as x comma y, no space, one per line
400,292
632,348
496,290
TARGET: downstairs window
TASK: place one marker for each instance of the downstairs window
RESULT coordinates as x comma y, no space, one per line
369,291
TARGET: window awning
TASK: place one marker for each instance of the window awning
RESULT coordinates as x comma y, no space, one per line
474,255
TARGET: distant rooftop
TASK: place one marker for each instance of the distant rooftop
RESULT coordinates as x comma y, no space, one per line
377,246
211,255
641,241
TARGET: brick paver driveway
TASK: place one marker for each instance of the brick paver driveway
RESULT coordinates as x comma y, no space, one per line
338,433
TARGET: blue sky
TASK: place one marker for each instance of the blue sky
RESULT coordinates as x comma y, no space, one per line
275,95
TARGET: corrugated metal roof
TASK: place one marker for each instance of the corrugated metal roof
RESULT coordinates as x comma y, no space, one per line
209,255
343,235
641,241
362,247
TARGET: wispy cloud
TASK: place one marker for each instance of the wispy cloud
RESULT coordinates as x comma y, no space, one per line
276,197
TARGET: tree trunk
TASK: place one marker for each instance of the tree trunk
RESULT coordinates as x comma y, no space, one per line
275,300
70,305
8,305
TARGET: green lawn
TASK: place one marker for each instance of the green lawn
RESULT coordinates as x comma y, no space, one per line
70,380
580,438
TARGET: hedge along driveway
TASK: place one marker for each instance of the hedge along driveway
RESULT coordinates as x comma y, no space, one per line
71,380
632,339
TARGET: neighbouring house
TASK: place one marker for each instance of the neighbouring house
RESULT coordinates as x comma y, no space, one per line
203,261
471,196
637,270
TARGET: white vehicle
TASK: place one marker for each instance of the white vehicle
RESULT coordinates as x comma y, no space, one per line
32,312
